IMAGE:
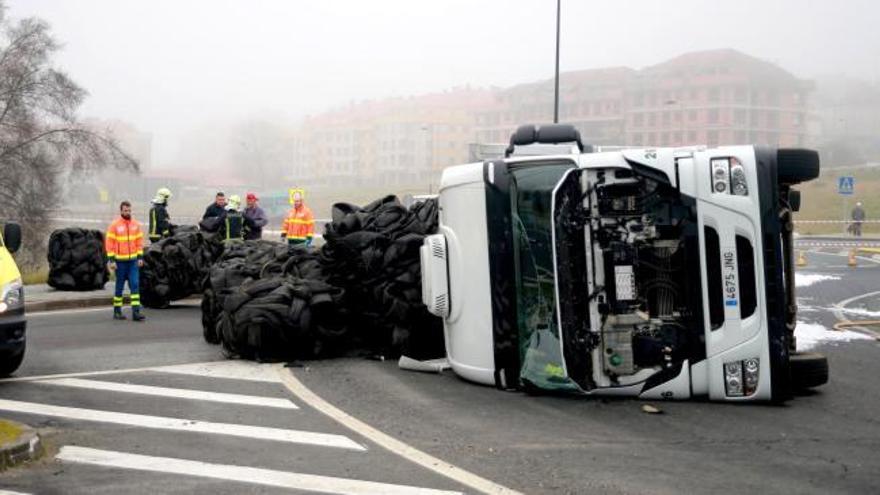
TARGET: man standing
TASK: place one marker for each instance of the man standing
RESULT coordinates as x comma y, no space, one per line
124,243
160,227
858,216
232,227
216,209
254,219
299,224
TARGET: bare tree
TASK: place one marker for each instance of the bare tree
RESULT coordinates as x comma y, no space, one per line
42,142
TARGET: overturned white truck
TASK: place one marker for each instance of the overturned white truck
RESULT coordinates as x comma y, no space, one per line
657,273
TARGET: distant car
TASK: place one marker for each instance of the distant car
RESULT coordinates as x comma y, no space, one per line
12,319
660,273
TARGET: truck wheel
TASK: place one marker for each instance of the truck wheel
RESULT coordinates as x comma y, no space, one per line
794,165
808,370
10,361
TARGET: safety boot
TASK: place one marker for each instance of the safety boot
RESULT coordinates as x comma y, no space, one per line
136,314
117,314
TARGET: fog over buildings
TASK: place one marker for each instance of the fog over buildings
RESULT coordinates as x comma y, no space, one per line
389,92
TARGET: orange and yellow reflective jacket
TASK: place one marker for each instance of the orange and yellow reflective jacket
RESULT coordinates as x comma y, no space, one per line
299,224
124,240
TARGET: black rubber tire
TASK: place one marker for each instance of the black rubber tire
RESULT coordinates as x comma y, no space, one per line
808,370
9,362
796,165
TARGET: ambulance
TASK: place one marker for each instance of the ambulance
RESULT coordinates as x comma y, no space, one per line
12,319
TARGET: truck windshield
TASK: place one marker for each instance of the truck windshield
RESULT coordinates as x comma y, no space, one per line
531,208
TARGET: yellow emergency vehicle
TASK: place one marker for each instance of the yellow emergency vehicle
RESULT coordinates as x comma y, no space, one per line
12,319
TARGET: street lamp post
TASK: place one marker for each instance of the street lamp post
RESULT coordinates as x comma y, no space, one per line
556,92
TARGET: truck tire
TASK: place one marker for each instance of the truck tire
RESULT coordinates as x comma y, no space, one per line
808,370
794,165
10,361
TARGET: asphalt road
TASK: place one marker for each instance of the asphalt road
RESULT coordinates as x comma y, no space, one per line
826,442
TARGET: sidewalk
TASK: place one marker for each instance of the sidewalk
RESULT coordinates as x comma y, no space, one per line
41,297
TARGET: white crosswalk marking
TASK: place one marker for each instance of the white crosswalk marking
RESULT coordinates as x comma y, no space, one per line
160,422
178,393
269,477
235,370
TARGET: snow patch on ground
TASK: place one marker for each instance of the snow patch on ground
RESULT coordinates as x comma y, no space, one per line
808,279
810,335
862,312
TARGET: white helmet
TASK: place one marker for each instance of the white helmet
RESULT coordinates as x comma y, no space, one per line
162,195
234,202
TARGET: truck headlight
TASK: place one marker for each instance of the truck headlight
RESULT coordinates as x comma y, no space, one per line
738,184
11,296
741,377
729,176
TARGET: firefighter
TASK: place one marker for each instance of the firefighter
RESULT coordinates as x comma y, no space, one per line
232,227
124,243
160,227
299,224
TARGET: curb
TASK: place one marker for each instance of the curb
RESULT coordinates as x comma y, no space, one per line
87,302
27,447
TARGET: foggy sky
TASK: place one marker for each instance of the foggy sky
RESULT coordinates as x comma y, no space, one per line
169,66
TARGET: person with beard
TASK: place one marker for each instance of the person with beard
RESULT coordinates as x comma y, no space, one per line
124,243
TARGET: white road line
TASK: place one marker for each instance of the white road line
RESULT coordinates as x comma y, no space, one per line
68,312
10,492
236,370
177,393
258,476
176,424
408,452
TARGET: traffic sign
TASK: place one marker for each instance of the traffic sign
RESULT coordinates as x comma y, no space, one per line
846,185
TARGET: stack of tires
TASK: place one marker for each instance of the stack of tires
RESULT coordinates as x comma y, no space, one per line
76,260
269,301
373,254
360,294
175,268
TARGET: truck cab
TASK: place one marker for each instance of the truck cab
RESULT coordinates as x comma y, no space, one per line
662,273
12,319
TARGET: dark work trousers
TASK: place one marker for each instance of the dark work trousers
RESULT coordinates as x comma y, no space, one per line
127,270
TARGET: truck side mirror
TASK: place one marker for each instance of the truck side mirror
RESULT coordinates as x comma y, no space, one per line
12,236
794,200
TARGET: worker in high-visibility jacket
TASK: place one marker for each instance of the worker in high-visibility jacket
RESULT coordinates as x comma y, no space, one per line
232,226
124,243
299,224
160,226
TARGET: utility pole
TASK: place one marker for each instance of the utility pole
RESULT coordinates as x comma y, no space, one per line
556,93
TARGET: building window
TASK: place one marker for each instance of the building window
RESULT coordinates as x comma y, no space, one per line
740,137
739,117
740,95
638,119
712,138
796,120
714,94
692,115
652,120
773,119
713,116
692,136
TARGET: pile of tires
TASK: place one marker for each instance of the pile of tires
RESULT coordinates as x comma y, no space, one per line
176,267
76,260
373,254
360,294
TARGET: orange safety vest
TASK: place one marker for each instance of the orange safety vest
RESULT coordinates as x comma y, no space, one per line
124,240
299,224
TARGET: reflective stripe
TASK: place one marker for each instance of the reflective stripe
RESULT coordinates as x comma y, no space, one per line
117,302
125,238
302,222
299,238
128,257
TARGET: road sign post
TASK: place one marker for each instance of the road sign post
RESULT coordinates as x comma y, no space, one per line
846,187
